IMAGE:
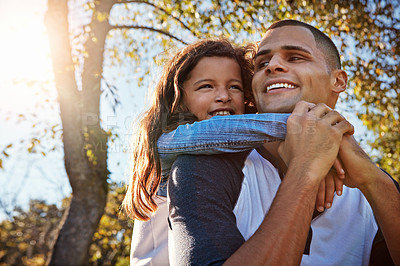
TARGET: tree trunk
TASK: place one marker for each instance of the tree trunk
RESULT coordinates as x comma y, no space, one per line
85,143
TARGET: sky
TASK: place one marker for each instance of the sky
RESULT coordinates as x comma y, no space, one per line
25,57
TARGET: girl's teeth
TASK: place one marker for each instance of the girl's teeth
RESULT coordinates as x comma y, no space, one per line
222,113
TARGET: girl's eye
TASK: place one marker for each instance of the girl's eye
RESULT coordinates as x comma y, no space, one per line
235,87
205,86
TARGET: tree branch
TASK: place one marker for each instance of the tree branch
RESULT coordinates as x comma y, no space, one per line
3,208
162,10
149,28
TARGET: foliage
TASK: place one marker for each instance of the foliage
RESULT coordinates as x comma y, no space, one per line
26,239
111,242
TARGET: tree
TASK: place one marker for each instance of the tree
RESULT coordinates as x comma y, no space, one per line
367,33
86,166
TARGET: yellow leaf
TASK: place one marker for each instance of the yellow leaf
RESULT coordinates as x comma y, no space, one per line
22,246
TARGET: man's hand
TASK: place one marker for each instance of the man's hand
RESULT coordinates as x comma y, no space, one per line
314,134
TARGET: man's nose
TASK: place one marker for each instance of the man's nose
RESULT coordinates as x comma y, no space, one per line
223,95
276,65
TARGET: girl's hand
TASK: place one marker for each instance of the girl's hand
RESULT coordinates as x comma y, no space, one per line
331,183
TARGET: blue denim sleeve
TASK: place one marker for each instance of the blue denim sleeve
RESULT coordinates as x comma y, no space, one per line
224,134
220,134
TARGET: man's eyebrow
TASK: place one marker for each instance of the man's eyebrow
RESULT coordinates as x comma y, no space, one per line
262,52
295,47
285,47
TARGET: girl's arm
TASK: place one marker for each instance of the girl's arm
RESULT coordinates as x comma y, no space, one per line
223,134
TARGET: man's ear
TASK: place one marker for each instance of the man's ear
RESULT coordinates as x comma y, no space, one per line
339,80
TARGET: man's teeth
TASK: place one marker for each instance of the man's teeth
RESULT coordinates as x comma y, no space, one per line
221,113
280,85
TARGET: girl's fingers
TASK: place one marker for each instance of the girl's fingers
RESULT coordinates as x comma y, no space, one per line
320,202
339,169
339,186
329,189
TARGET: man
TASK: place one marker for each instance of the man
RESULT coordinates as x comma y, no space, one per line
221,213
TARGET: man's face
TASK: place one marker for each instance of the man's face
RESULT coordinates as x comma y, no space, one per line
288,68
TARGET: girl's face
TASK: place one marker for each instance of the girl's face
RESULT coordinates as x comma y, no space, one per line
214,87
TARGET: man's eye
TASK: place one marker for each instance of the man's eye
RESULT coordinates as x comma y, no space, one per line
295,58
263,64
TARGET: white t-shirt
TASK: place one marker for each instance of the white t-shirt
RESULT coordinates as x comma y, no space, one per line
149,244
342,235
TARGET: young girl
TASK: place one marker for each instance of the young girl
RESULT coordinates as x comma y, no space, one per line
206,79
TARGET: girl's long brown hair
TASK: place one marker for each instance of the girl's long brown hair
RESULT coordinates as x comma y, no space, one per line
167,112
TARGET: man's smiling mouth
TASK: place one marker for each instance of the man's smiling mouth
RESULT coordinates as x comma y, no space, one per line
281,86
